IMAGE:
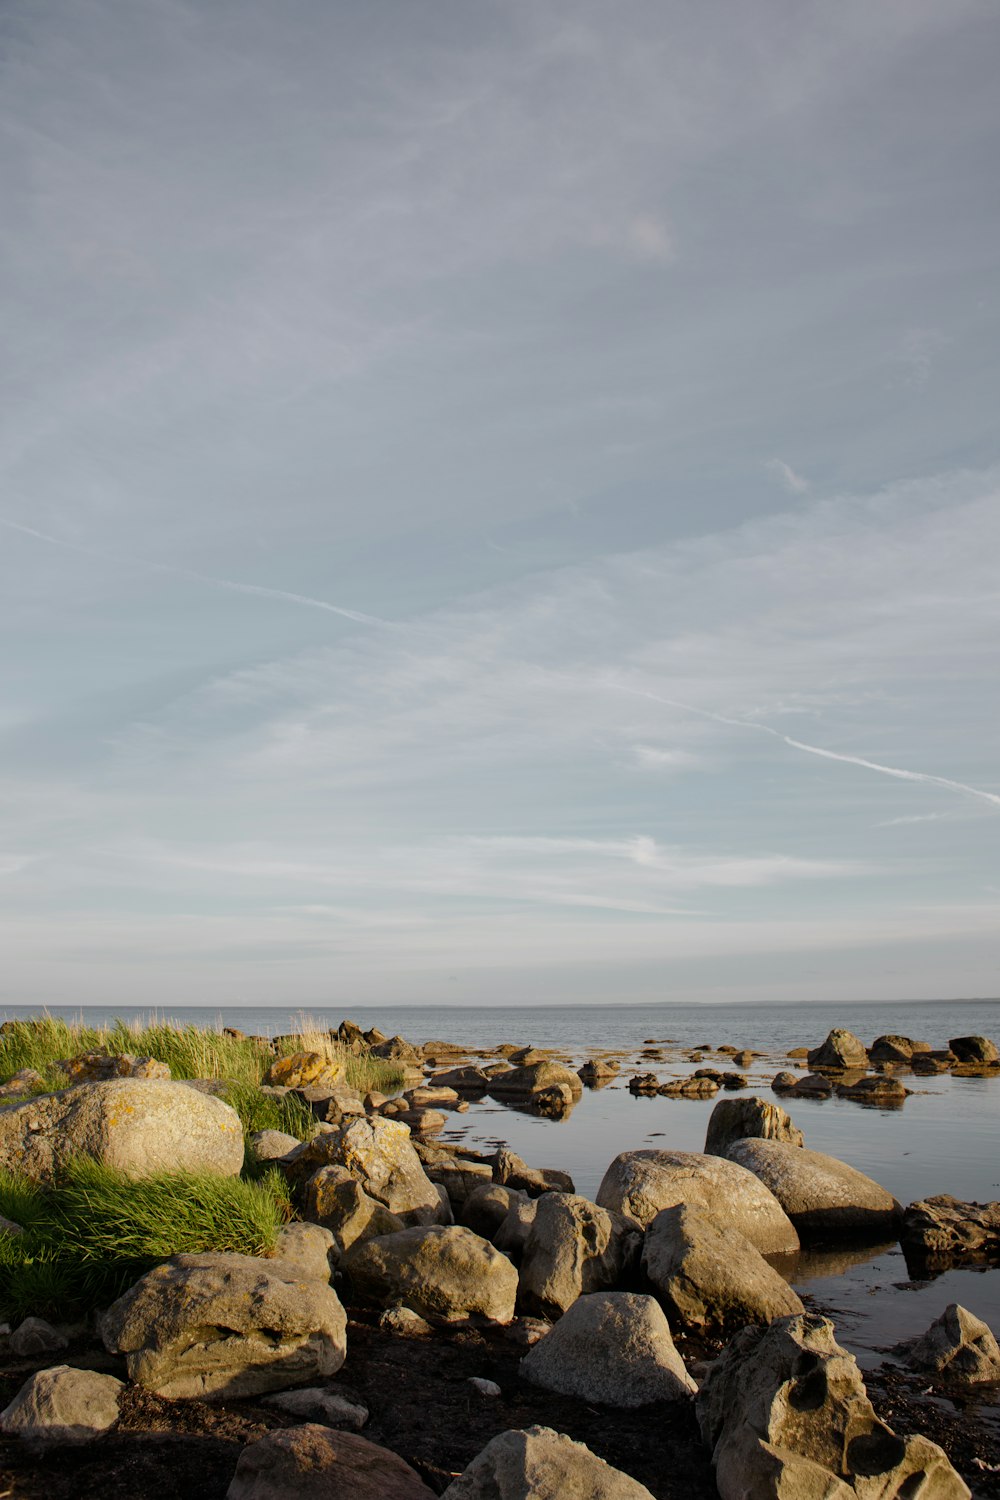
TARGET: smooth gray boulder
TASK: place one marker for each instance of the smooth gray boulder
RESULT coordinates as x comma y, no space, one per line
225,1325
790,1385
139,1126
317,1463
487,1206
537,1463
711,1278
272,1145
443,1272
307,1248
820,1194
63,1405
611,1347
572,1247
338,1202
958,1348
735,1119
841,1052
379,1154
638,1184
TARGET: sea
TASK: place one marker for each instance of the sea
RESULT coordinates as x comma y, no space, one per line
945,1138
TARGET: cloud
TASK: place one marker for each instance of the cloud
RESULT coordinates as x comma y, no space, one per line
656,758
792,482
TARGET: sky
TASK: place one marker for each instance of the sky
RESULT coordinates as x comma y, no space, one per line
499,501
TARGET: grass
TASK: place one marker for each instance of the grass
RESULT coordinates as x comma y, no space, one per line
92,1234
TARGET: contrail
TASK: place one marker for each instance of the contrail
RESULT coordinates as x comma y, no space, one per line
305,600
850,760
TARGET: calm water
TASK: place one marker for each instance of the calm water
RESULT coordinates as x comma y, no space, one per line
944,1139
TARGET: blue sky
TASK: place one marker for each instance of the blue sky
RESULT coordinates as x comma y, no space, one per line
460,463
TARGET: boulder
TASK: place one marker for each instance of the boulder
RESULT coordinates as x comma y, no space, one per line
735,1119
34,1337
537,1463
139,1126
318,1404
813,1086
7,1226
928,1063
875,1089
442,1272
225,1325
597,1071
524,1083
689,1088
404,1323
790,1386
97,1067
572,1247
455,1168
945,1229
611,1347
380,1155
639,1184
784,1082
752,1469
272,1145
24,1081
974,1049
841,1051
305,1070
512,1236
62,1405
711,1278
958,1348
512,1172
821,1195
487,1206
892,1048
337,1201
465,1080
396,1049
309,1249
431,1096
317,1463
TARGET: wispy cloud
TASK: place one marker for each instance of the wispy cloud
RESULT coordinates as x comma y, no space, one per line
794,483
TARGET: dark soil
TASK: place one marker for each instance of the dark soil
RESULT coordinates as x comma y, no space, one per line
422,1407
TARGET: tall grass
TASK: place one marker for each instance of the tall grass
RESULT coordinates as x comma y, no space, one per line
93,1233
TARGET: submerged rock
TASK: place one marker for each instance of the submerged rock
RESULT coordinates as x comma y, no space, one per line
511,1171
959,1348
537,1463
610,1347
874,1089
735,1119
820,1194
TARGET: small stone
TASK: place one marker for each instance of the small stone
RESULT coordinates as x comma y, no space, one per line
484,1387
404,1322
316,1404
34,1336
63,1405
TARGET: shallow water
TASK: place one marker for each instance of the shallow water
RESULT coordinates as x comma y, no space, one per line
944,1139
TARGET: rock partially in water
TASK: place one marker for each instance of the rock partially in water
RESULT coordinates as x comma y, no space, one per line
597,1071
638,1184
511,1171
841,1051
974,1049
689,1088
537,1463
317,1463
610,1347
572,1247
945,1229
442,1272
711,1278
465,1080
63,1405
542,1084
735,1119
958,1348
895,1049
821,1195
876,1089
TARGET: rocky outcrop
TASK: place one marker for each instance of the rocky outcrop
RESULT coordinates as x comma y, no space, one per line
788,1394
512,1172
958,1348
63,1405
945,1229
139,1126
638,1184
711,1278
611,1347
316,1463
735,1119
572,1247
841,1051
821,1195
225,1325
379,1154
537,1463
443,1273
975,1049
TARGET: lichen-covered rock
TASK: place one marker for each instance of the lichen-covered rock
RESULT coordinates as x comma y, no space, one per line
610,1347
379,1154
444,1272
317,1463
537,1463
225,1325
638,1184
711,1278
307,1248
821,1195
305,1070
140,1126
97,1067
736,1119
958,1348
338,1202
572,1247
63,1405
945,1228
841,1051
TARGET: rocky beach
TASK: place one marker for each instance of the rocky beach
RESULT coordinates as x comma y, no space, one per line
301,1280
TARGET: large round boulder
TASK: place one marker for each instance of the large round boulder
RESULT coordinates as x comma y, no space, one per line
226,1325
139,1126
711,1278
733,1119
537,1463
314,1462
821,1195
443,1272
639,1184
572,1247
611,1347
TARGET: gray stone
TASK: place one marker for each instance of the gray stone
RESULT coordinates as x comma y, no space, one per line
841,1051
7,1226
510,1171
820,1194
338,1202
318,1404
958,1347
748,1468
379,1154
943,1229
512,1236
140,1126
638,1184
34,1337
308,1249
572,1247
404,1322
317,1463
487,1206
63,1405
610,1347
485,1387
443,1272
537,1463
894,1048
711,1278
735,1119
272,1145
523,1084
225,1325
